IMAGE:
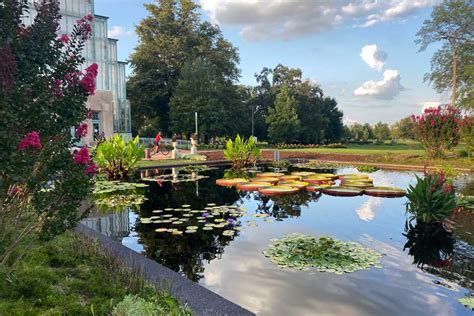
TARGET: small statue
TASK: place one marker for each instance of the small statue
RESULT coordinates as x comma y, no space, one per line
194,143
175,152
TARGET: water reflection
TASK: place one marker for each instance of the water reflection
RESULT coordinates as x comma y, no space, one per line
235,268
114,224
434,249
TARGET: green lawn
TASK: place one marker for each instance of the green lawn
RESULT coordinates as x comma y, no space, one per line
371,149
157,163
68,276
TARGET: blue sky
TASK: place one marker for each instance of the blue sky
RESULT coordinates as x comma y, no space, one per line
326,39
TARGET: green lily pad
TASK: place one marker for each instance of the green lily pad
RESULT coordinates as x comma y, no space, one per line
208,228
190,231
161,230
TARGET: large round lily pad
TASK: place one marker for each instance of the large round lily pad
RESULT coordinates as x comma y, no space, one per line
385,192
317,188
253,186
353,176
325,254
278,190
357,184
262,179
303,173
338,191
230,182
269,175
290,177
294,184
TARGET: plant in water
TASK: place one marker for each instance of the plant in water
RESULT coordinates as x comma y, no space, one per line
43,93
116,157
431,199
118,195
467,301
325,254
243,153
367,168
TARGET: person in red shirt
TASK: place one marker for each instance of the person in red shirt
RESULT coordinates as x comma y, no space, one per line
157,142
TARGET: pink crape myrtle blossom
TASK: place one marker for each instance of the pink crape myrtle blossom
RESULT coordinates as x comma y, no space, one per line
31,140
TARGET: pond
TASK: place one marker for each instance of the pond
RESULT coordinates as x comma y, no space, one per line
234,265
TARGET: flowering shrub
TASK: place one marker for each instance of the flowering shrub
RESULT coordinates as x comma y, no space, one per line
42,95
438,129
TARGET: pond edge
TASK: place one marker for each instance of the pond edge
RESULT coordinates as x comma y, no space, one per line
199,299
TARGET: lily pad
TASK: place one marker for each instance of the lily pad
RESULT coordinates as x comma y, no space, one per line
385,192
208,228
291,177
278,190
326,254
339,191
161,230
190,231
317,188
303,173
262,179
294,184
230,182
253,186
269,175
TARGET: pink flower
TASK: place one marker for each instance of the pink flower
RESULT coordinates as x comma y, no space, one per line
81,131
82,157
89,17
447,188
91,168
88,80
56,89
31,140
64,38
432,123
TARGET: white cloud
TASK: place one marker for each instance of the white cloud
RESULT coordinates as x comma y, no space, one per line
119,31
429,104
373,56
348,121
285,19
387,88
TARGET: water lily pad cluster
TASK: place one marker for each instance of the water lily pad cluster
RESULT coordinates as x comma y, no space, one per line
467,301
118,195
178,221
325,254
274,183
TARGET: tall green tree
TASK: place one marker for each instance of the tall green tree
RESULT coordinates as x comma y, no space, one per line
451,24
169,37
381,132
203,89
282,119
403,129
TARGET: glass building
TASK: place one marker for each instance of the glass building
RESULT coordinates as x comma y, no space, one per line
111,109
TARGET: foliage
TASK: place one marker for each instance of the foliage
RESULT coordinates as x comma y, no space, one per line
280,164
381,132
438,129
116,157
320,119
325,254
243,153
452,65
403,129
467,301
367,168
134,305
69,276
42,95
335,145
204,89
171,36
429,243
361,133
466,202
467,135
282,119
431,199
296,146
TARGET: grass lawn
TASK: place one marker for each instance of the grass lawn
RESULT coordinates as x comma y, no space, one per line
157,163
68,276
411,153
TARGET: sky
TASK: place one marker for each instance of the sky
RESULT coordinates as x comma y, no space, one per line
361,52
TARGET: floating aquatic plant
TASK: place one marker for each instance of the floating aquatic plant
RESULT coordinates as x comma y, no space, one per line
367,168
325,254
467,301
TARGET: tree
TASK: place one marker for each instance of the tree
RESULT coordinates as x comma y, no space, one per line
169,38
203,89
381,132
451,66
403,129
42,95
361,133
282,120
334,130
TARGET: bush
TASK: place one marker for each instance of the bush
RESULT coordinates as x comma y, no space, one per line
194,157
431,199
242,153
42,95
335,145
116,157
133,305
438,129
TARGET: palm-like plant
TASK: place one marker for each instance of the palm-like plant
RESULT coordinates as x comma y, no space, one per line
116,157
243,153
